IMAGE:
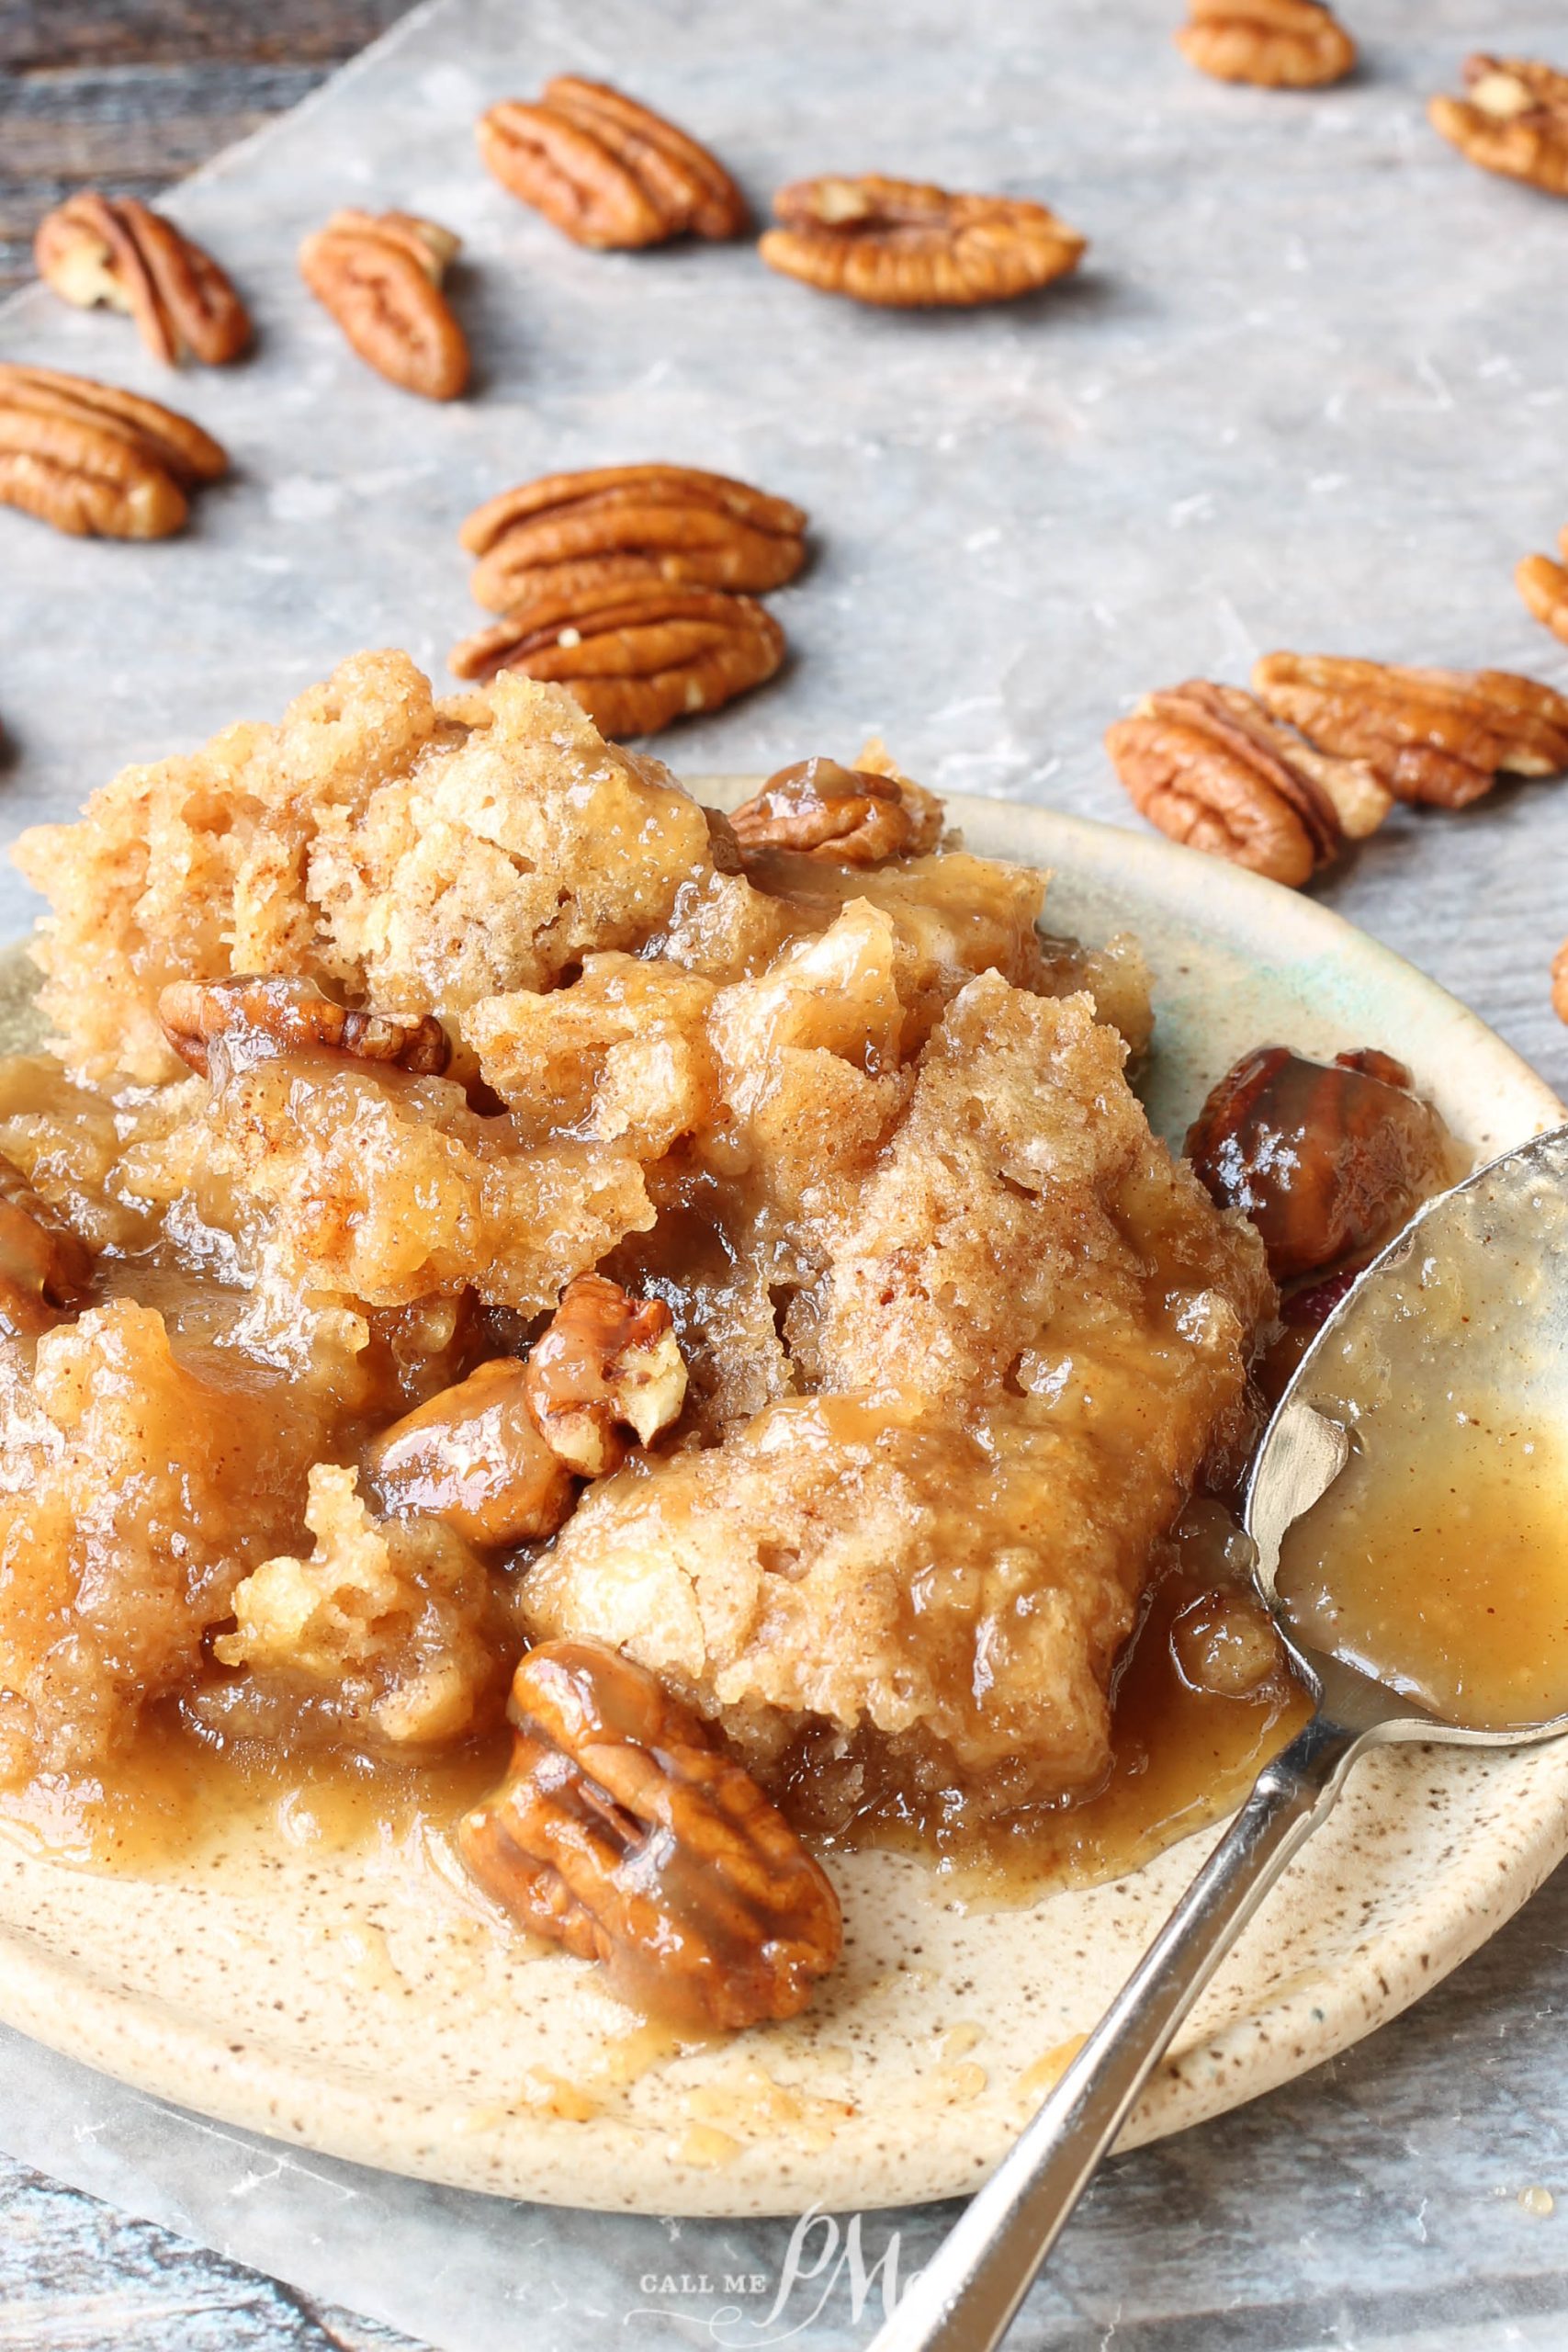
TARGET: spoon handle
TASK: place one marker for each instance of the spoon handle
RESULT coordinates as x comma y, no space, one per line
965,2298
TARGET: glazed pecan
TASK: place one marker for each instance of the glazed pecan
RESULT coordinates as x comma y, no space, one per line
595,535
473,1456
1513,119
1325,1159
840,816
1278,44
44,1267
380,275
606,171
1543,584
659,654
902,245
608,1364
220,1026
626,1833
94,460
1208,766
116,251
1436,736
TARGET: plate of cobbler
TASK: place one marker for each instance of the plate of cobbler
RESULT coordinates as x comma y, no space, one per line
621,1415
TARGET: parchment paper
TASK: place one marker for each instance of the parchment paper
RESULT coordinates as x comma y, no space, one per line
1307,391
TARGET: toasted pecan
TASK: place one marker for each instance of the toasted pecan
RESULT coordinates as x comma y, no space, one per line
901,244
605,170
1277,44
1543,584
1513,119
840,816
379,276
659,654
93,460
607,1364
626,1833
1436,736
614,527
117,251
255,1016
1208,765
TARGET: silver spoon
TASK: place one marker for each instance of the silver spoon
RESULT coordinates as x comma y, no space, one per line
1503,1233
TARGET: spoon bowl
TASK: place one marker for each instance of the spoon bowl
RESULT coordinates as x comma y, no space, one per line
1482,1268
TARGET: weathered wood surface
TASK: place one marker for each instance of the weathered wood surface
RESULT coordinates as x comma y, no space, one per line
130,94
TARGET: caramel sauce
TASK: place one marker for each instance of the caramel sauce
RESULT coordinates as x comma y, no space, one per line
1438,1561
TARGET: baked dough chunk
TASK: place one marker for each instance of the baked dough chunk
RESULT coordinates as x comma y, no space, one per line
134,1494
1030,1328
388,1629
425,853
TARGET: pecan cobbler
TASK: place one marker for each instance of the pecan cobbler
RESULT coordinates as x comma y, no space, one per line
485,1220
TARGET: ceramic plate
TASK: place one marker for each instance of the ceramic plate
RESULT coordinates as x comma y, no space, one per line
358,2002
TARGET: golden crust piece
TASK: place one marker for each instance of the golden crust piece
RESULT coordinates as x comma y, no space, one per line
1031,1327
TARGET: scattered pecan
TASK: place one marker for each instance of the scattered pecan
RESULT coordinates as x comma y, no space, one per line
606,171
903,245
116,251
608,1364
1278,44
380,275
595,534
1543,584
220,1026
1436,736
1208,766
473,1456
626,1833
1513,119
93,460
659,654
840,816
1560,982
1326,1160
45,1269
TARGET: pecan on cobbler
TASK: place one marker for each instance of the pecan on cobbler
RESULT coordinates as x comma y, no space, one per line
96,461
843,815
117,251
901,244
1513,119
624,1832
379,276
605,170
1280,44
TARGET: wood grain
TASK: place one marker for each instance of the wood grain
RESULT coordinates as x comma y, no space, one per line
129,96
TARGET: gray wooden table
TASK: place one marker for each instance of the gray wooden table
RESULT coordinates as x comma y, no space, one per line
1404,2197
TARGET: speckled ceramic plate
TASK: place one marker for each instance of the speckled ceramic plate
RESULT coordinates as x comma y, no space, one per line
358,2002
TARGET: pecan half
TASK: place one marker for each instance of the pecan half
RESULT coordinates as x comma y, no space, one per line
220,1026
604,170
1325,1159
1440,737
1560,982
45,1269
904,246
618,528
116,251
95,460
1278,44
840,816
1513,119
1543,584
380,275
626,1833
661,653
1208,766
609,1363
473,1456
